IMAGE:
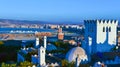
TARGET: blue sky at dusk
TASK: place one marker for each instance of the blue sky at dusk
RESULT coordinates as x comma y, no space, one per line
59,10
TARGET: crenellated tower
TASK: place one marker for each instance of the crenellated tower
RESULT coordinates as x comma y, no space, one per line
101,34
104,27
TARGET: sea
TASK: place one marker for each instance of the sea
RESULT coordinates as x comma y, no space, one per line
25,30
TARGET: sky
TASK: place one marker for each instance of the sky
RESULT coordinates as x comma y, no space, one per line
59,10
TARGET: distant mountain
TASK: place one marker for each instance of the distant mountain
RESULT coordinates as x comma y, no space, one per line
11,21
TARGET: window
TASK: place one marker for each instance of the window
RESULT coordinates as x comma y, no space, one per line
109,29
106,29
42,51
103,29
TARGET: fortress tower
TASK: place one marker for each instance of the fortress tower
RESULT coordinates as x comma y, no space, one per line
100,35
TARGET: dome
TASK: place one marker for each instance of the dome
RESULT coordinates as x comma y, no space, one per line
50,47
76,52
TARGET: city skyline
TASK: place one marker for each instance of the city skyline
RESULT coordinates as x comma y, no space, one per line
59,11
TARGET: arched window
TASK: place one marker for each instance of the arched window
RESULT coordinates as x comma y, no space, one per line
103,29
109,29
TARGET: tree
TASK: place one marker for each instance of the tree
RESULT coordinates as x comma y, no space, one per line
1,42
26,64
64,63
3,64
71,64
7,65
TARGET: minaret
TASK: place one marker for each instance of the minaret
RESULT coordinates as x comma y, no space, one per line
45,41
60,34
41,56
37,41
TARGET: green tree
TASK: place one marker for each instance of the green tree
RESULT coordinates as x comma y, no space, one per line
26,64
7,65
3,64
71,64
64,63
1,42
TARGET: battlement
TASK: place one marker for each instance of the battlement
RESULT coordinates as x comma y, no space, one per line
90,21
101,21
107,21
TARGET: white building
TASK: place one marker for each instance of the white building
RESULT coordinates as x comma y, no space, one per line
45,41
41,56
37,42
77,54
100,35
